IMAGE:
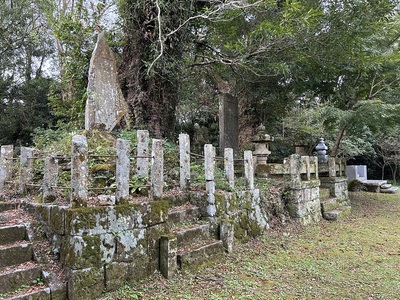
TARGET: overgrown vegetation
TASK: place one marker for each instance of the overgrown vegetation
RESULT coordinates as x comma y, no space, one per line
356,258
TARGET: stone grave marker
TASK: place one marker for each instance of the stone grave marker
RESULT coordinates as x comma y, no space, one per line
228,121
105,104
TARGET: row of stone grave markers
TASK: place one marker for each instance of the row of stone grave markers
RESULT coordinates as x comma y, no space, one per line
209,167
80,170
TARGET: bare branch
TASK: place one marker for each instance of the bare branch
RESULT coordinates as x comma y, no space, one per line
160,39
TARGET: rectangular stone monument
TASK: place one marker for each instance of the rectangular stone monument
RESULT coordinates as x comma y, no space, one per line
358,172
228,123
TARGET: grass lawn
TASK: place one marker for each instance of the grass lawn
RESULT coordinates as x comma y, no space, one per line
355,258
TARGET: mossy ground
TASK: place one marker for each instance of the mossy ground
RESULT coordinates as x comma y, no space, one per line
356,258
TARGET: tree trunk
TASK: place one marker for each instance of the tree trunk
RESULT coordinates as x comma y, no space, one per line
152,95
338,140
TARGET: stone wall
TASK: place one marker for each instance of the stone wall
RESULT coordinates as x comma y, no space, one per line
300,173
102,248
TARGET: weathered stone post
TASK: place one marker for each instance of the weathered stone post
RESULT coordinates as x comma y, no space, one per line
79,171
142,162
332,166
249,169
122,171
227,234
50,179
229,167
294,168
168,252
157,164
26,164
6,163
306,160
209,166
184,160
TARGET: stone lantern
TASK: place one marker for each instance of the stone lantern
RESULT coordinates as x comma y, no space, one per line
260,140
321,151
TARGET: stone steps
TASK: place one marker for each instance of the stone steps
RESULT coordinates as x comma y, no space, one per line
13,278
191,243
15,253
332,209
200,255
39,293
192,235
9,234
337,214
329,204
391,190
183,213
21,278
324,193
4,206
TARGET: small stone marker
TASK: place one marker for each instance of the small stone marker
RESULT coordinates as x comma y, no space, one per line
26,164
50,179
184,160
157,165
79,171
105,104
6,163
122,171
142,164
209,166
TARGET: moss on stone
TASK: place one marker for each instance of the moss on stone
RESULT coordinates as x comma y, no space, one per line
158,211
86,284
85,218
81,252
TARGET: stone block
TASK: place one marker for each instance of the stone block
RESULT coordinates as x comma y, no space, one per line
15,254
86,284
80,252
57,219
227,234
168,252
153,239
131,245
127,217
87,221
116,275
157,212
9,234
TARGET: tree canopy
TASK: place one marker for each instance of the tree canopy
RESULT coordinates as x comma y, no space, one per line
303,68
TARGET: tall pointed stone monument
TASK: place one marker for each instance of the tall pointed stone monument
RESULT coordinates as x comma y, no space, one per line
105,104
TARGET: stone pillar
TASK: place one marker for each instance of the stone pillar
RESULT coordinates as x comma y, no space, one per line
306,159
157,164
184,160
294,168
314,161
209,166
332,166
26,164
6,163
79,171
142,162
50,179
229,167
227,234
228,122
249,169
122,171
168,251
